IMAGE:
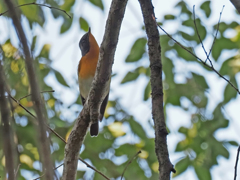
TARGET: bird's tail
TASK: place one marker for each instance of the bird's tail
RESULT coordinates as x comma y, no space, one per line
94,129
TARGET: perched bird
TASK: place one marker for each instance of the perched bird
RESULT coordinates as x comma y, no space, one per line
86,71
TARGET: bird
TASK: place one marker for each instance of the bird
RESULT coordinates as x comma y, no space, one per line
86,71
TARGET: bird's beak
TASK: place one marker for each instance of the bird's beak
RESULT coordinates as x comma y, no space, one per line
89,30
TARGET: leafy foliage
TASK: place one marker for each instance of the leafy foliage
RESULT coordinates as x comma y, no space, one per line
200,145
111,150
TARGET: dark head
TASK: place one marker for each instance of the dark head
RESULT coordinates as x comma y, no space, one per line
84,44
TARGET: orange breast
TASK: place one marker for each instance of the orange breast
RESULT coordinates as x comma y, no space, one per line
88,64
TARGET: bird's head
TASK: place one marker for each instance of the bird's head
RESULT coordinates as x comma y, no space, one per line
84,43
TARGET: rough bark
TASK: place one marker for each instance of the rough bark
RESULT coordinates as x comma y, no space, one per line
154,51
236,4
6,130
43,141
89,114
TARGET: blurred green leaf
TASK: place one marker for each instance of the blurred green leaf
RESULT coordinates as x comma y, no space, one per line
229,92
137,128
233,143
206,8
182,166
83,24
130,76
45,51
183,53
67,5
147,92
33,43
169,17
66,24
137,50
200,80
230,66
183,6
218,48
97,3
60,78
202,172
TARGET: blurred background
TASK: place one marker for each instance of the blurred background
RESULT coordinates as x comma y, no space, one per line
201,109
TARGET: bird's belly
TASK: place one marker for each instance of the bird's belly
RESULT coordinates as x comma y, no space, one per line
85,86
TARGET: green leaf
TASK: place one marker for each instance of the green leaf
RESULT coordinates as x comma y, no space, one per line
137,128
60,78
137,50
183,53
202,172
34,14
183,6
169,17
201,29
45,51
66,24
206,8
67,5
230,92
97,3
182,166
230,67
188,37
33,43
147,92
130,76
83,24
222,44
188,23
233,143
200,80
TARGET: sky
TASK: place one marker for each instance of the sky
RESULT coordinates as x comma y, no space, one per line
66,54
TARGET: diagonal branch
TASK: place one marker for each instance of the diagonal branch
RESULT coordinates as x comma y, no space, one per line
215,37
44,145
31,94
37,4
5,129
165,166
129,162
236,4
199,59
56,134
99,85
236,164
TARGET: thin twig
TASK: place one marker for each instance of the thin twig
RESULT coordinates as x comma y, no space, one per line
204,63
54,132
194,20
17,170
215,37
44,173
37,4
236,164
89,166
63,140
31,94
129,162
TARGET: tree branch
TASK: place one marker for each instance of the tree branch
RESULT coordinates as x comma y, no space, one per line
56,134
236,4
199,59
236,163
44,145
37,4
89,113
6,131
165,166
31,94
129,162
